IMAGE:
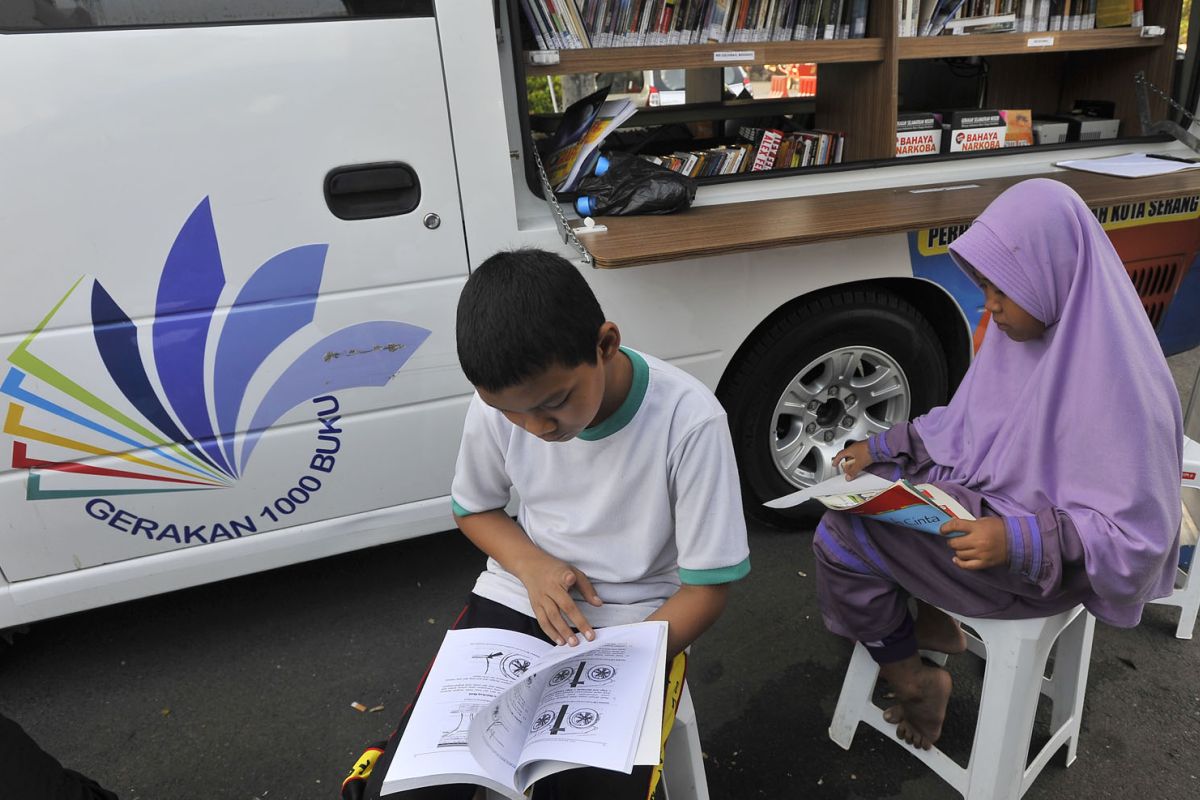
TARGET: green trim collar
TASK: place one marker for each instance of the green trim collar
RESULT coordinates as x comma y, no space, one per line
629,406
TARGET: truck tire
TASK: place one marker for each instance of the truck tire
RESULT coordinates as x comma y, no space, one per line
834,369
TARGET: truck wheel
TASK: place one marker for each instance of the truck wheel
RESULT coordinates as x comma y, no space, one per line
829,371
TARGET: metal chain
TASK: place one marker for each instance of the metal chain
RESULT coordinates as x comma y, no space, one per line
560,219
1140,78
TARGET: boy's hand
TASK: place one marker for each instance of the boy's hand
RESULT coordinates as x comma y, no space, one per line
984,545
854,459
548,582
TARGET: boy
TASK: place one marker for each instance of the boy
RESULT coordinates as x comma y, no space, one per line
630,505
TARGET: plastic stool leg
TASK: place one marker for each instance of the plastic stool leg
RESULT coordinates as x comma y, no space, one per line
1069,683
1189,604
1009,701
855,698
683,767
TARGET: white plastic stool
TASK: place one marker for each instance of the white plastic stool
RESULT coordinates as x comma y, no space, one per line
683,775
1016,652
683,765
1187,588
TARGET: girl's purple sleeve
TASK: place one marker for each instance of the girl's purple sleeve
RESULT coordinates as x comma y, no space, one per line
902,445
1044,549
1039,545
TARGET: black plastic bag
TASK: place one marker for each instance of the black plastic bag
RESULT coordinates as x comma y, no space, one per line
628,184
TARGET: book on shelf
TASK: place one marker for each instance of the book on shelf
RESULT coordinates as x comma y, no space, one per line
858,19
1114,13
776,149
959,17
573,24
1018,127
925,11
987,129
943,11
574,146
973,129
768,147
722,160
1057,8
502,710
918,133
996,23
922,507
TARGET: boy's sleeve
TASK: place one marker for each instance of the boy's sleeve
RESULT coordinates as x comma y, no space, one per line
481,482
710,527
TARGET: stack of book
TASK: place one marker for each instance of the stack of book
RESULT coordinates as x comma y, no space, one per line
764,149
776,149
934,17
724,160
573,24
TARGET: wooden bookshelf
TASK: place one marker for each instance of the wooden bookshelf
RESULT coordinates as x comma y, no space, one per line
859,80
996,44
786,222
694,56
693,112
836,51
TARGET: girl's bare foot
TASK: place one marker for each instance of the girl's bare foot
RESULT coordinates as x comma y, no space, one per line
938,631
924,693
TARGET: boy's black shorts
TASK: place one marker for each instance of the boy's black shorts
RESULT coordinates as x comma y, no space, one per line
28,771
366,779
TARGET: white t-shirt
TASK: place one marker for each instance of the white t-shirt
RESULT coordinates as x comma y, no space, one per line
645,500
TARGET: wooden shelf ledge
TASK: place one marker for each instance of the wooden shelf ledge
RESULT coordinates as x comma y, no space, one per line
743,227
996,44
692,56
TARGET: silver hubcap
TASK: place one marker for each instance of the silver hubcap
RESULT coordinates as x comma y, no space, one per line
848,393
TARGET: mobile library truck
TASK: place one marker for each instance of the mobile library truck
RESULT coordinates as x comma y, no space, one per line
235,235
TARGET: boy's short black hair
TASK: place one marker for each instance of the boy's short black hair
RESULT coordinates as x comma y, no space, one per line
522,312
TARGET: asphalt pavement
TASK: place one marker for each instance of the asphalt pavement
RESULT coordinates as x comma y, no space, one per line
243,689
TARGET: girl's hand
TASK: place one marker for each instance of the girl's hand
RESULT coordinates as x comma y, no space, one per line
984,545
854,459
548,582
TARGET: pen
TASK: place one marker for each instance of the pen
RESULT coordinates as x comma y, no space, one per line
1165,157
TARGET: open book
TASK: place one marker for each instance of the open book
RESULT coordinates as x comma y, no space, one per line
584,124
501,709
923,506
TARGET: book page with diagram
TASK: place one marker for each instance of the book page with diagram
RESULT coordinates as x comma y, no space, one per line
473,667
485,710
589,706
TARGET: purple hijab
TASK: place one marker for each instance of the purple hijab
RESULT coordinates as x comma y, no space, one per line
1085,419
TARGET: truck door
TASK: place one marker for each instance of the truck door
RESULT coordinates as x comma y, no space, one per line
233,244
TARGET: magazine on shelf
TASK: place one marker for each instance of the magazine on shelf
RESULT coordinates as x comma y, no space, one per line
502,710
573,148
922,507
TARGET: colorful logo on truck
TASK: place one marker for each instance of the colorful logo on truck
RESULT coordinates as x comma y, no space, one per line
187,395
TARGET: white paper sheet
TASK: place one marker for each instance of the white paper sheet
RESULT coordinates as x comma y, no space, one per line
865,482
1129,165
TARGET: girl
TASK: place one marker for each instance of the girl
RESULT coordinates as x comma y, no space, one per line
1064,440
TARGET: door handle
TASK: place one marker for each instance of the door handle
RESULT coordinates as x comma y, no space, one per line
367,191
